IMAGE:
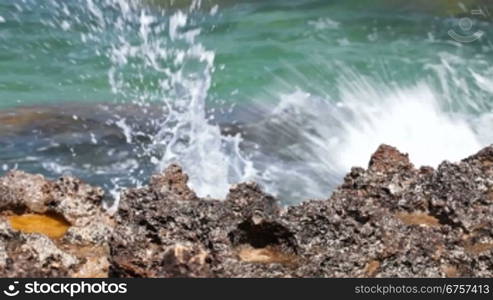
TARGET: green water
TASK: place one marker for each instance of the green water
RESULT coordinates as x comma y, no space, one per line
260,46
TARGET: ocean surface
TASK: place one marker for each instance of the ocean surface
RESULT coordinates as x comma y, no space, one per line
290,94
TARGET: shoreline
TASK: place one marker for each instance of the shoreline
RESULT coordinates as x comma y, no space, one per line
389,220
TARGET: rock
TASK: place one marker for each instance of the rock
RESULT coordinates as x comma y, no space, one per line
153,228
20,190
391,220
436,221
388,159
52,228
173,183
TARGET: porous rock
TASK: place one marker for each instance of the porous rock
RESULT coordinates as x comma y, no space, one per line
389,220
83,249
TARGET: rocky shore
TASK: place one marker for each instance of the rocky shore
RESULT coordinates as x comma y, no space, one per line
389,220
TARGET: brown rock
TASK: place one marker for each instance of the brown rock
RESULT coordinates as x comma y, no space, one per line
52,228
173,182
388,159
164,234
390,220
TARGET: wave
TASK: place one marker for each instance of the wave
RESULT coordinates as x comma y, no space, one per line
298,149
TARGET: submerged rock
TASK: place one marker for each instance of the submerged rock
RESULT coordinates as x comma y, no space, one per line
52,228
389,220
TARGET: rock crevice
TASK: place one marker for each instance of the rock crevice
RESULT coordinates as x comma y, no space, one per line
389,220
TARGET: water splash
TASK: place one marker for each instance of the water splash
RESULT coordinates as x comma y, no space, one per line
299,149
156,59
321,136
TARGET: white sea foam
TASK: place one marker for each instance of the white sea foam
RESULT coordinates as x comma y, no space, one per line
324,23
307,142
326,134
161,49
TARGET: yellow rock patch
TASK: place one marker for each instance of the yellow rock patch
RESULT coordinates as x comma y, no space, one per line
418,218
371,268
266,255
50,225
478,248
450,271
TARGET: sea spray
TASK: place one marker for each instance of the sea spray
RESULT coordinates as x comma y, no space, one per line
320,137
186,136
301,146
155,59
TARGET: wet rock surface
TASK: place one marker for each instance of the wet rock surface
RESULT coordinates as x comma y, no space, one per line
389,220
52,228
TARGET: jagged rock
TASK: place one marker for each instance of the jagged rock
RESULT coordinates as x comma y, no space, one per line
389,220
21,190
429,223
388,159
52,228
172,183
150,225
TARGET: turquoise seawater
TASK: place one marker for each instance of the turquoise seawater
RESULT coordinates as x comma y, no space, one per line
259,45
263,67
